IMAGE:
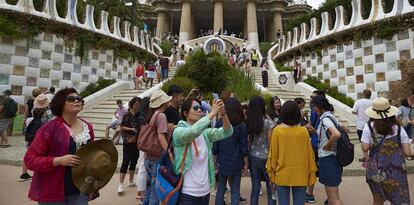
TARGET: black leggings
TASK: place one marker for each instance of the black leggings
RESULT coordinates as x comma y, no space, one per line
130,157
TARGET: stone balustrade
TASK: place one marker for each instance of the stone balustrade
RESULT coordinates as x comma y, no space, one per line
288,42
138,38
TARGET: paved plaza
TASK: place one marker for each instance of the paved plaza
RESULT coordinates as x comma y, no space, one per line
353,191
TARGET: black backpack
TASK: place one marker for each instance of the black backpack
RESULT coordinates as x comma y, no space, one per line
344,147
12,108
32,128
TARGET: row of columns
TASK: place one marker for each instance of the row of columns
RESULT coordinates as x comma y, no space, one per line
187,23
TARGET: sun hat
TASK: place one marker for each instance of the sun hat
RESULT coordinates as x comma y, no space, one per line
41,101
99,160
381,109
158,98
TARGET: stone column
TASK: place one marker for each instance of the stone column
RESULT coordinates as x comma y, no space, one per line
185,24
161,27
277,21
218,15
252,35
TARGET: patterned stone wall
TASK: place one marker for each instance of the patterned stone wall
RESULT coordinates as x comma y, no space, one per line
45,61
373,64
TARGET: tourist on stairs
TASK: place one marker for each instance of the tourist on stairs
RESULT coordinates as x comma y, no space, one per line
151,74
118,114
387,144
194,136
359,109
130,127
139,76
291,165
260,132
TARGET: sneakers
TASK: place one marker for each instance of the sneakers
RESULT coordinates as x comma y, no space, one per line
24,177
120,189
309,198
131,184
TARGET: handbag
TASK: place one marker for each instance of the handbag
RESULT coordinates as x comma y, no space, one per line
167,183
148,138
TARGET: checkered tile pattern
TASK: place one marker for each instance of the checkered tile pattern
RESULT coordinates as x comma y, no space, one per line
362,64
47,61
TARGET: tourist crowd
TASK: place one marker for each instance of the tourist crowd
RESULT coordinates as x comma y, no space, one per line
212,144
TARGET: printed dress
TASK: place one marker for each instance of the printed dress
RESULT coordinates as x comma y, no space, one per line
386,172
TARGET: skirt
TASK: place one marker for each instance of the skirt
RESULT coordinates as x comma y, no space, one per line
151,74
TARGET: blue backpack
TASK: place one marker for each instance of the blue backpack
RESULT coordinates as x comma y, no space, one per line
167,183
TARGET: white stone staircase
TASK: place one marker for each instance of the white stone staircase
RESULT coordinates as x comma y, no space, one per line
286,94
101,113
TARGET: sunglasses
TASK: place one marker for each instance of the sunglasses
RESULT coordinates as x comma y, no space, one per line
196,107
73,99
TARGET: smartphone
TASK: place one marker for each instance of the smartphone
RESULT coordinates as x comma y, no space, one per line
216,96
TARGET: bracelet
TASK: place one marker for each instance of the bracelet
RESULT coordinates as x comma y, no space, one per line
223,115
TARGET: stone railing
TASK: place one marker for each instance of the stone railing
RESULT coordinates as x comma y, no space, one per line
298,37
138,38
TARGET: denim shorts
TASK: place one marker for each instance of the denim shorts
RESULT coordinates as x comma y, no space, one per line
330,171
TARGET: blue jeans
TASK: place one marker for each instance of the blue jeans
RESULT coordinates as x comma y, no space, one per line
79,199
164,73
234,187
257,172
151,196
186,199
298,193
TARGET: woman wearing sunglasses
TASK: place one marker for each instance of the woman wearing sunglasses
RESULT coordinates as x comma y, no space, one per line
52,152
193,134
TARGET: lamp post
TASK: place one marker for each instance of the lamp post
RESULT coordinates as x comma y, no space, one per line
264,22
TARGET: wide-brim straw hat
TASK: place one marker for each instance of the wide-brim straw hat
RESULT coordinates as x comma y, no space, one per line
158,98
381,109
41,101
99,160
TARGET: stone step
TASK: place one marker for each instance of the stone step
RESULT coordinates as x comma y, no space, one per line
90,114
103,106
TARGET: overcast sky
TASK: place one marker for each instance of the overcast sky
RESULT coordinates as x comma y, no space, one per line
315,3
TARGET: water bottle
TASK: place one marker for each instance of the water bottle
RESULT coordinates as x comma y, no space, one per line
274,192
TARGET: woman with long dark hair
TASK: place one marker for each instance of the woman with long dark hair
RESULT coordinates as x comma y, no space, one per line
274,109
129,131
330,171
387,144
260,132
232,153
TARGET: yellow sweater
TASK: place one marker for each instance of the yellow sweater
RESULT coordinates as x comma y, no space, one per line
291,159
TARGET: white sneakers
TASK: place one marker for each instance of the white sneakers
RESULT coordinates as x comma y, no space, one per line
120,188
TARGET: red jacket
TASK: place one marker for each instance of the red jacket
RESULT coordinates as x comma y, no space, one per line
52,140
140,71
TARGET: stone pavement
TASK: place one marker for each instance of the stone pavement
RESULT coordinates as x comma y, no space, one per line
13,155
353,191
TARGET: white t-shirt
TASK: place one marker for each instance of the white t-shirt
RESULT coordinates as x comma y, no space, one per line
196,180
50,96
366,135
323,139
359,107
180,63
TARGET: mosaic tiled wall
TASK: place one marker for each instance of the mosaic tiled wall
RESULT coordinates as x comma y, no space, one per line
45,61
362,64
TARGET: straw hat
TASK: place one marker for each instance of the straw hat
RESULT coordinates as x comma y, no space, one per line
98,164
41,101
158,98
381,109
